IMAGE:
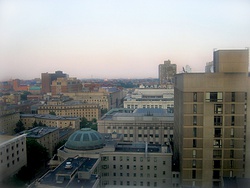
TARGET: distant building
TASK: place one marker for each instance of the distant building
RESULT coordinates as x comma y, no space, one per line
209,67
13,155
72,109
141,125
66,85
150,98
8,120
167,72
18,87
50,120
47,78
211,133
102,160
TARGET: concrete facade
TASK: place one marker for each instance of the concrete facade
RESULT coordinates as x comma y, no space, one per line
148,125
8,120
167,72
12,155
212,122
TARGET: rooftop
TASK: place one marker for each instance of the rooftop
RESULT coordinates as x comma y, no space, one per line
38,132
67,177
47,116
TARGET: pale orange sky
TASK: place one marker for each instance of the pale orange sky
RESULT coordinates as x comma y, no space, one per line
116,39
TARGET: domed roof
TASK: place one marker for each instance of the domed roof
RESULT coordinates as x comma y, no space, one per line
85,139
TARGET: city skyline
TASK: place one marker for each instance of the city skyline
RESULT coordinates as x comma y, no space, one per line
111,39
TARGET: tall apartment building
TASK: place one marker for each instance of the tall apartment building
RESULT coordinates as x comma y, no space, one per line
66,85
47,79
13,155
167,72
141,125
211,134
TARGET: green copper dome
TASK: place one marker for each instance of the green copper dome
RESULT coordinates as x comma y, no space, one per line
85,139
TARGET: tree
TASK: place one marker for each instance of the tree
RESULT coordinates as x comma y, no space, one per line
34,124
19,127
52,113
84,122
58,145
37,156
40,124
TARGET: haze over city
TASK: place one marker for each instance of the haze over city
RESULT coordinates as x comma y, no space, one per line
116,39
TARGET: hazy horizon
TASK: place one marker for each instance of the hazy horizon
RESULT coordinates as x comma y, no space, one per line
116,39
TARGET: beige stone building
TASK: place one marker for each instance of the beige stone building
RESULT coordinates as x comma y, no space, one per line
48,137
50,121
115,163
167,72
12,155
147,125
150,98
211,134
72,109
8,120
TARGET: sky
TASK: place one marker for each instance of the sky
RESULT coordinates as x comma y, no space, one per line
116,38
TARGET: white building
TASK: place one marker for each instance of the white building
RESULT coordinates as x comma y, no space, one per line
12,155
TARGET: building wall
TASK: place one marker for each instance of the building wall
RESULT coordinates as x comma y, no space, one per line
89,111
8,122
210,126
136,169
138,131
60,122
167,72
12,155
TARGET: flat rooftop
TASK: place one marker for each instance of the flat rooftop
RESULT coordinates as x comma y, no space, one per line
38,132
141,147
47,116
61,177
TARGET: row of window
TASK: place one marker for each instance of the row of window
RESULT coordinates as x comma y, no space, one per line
121,174
128,183
123,158
216,96
145,128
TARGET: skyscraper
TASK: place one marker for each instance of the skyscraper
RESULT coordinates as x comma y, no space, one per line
212,122
167,72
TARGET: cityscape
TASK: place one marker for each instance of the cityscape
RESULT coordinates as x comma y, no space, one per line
179,130
110,94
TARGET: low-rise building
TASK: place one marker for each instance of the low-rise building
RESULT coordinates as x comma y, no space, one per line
115,162
150,125
12,155
8,120
150,98
72,109
50,120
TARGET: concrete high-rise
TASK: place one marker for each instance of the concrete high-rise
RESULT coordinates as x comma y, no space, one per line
211,129
166,73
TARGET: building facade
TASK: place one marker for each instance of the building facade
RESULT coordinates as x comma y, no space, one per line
167,72
12,155
72,109
47,78
66,85
8,120
212,122
150,98
140,125
50,121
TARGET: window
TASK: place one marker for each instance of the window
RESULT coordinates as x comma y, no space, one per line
217,132
127,174
233,108
163,162
121,167
233,96
114,166
231,153
194,120
193,174
232,120
127,158
195,108
232,132
231,143
134,159
214,97
217,143
218,120
217,153
194,143
218,108
120,158
141,167
194,132
114,158
127,166
164,172
194,153
148,167
148,184
141,183
217,163
155,167
195,97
